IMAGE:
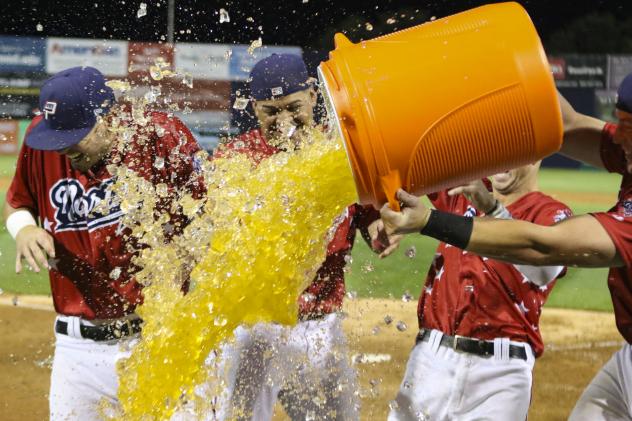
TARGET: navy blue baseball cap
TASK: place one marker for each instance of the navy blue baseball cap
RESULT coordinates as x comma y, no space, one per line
624,95
70,101
278,75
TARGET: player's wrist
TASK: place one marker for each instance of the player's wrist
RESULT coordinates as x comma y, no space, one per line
452,229
19,220
492,208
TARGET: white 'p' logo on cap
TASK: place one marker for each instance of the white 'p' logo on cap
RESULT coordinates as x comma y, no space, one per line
49,109
277,91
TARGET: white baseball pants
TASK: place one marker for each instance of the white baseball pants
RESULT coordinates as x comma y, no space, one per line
443,384
609,394
305,367
84,377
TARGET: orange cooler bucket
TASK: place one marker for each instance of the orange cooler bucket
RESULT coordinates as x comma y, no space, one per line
442,103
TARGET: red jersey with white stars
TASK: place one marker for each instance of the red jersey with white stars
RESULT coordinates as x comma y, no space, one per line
326,292
618,224
469,295
92,274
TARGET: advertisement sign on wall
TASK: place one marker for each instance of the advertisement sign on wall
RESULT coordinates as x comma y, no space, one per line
110,57
619,67
203,61
22,54
580,70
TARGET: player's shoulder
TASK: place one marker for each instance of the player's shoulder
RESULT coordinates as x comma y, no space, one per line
535,204
248,142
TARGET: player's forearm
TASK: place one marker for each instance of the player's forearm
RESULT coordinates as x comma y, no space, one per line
579,241
512,241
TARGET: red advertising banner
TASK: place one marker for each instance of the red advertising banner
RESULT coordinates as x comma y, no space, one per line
9,131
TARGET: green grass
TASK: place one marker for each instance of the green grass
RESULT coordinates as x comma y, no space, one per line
398,274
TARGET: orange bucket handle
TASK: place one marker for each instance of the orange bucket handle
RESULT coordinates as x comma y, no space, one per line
391,182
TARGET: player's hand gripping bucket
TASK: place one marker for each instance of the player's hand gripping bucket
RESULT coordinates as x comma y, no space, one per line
442,103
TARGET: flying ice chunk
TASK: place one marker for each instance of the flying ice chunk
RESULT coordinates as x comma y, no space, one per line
368,26
187,79
142,10
39,27
258,43
224,17
240,103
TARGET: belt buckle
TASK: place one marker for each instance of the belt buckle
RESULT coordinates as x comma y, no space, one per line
456,341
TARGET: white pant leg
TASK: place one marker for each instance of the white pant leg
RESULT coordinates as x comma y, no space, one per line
320,382
249,371
84,378
443,384
305,366
608,396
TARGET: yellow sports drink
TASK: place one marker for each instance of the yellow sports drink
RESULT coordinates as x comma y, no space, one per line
267,229
442,103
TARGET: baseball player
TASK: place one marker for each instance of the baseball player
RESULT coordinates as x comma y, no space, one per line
479,317
600,239
305,367
59,210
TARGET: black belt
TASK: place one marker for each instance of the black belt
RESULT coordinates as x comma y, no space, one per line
106,332
472,346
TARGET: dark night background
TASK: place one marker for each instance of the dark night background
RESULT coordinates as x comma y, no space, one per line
588,26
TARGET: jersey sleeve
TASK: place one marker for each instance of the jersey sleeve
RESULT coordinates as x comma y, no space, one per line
612,155
619,228
22,193
552,214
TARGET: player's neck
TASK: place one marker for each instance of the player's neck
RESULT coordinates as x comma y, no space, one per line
514,195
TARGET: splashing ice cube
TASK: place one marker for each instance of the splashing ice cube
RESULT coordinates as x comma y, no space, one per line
240,103
390,21
228,54
388,319
407,297
187,110
352,295
368,267
115,273
368,26
224,17
187,79
142,10
348,259
155,73
159,163
401,326
411,252
39,27
258,43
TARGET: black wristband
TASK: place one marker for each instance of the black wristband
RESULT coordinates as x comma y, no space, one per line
449,228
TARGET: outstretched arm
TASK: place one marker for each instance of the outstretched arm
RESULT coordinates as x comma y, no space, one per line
582,135
579,241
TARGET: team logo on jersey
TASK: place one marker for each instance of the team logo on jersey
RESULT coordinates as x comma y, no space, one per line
561,215
75,207
627,208
470,212
49,109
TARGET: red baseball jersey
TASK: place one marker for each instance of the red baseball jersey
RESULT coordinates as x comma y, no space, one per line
469,295
325,294
618,224
92,274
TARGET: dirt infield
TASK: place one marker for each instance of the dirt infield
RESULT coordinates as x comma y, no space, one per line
578,343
